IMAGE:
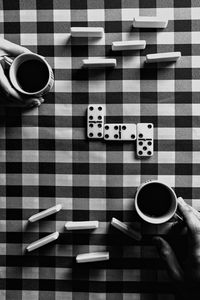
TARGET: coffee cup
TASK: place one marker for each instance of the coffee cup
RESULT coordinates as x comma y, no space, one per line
30,74
155,202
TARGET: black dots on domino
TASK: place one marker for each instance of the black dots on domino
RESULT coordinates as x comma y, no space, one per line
92,108
106,127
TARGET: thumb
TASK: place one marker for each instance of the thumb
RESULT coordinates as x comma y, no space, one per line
11,49
168,256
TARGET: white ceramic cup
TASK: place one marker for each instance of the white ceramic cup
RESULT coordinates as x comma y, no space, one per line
153,219
14,65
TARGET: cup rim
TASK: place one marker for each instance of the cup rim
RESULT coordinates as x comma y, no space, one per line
14,81
155,220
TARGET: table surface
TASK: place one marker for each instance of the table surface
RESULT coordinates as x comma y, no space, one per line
46,159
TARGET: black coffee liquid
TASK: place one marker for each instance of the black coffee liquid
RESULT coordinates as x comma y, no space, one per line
32,75
154,200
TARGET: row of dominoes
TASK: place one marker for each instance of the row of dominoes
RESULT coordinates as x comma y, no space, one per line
81,225
142,132
112,62
138,22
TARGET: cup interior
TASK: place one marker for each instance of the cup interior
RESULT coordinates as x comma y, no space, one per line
165,216
18,61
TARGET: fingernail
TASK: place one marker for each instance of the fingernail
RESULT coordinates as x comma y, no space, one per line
181,201
34,104
41,100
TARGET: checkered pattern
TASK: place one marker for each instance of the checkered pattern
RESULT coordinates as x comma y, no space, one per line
46,159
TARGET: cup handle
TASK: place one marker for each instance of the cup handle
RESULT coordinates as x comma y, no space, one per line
178,217
8,60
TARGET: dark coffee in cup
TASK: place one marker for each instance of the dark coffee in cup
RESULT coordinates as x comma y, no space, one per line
32,75
154,200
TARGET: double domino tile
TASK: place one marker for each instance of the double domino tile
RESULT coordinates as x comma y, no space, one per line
95,117
142,132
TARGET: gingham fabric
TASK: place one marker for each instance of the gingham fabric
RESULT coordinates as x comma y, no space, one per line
45,158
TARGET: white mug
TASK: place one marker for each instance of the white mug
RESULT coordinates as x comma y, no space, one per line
157,219
17,62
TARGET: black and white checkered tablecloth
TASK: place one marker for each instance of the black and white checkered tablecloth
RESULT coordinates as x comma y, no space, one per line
45,158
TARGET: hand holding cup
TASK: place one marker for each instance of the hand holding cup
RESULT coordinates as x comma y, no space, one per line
7,85
185,274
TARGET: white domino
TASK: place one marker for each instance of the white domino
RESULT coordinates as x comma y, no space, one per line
95,121
162,57
87,31
126,229
144,139
99,63
45,213
149,22
120,132
128,45
82,225
92,257
46,240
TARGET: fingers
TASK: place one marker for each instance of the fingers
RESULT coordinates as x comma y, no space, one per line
6,86
190,215
11,48
168,256
197,214
33,102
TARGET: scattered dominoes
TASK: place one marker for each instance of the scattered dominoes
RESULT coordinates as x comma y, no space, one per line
95,121
128,45
46,240
99,63
162,57
45,213
144,139
124,132
82,225
126,229
92,257
149,22
87,31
